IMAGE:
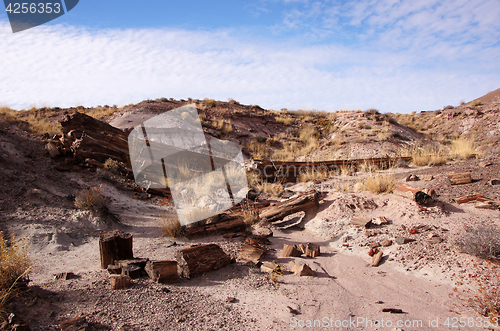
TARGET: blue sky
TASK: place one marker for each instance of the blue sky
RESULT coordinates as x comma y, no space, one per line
393,55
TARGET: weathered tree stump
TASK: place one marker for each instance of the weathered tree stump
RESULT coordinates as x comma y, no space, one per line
114,245
312,250
289,250
197,260
163,271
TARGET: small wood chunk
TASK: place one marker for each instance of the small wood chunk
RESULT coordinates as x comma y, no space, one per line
251,253
289,250
376,259
141,263
64,276
302,269
230,235
393,310
52,150
231,299
375,244
435,240
468,198
312,250
379,220
430,192
119,282
114,269
427,178
132,271
402,240
460,178
361,221
490,204
386,243
162,271
484,164
301,248
262,231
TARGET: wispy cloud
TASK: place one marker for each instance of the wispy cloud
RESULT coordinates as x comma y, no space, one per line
404,57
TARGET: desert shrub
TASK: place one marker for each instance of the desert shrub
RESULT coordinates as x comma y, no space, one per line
483,242
476,103
257,149
314,174
379,183
112,166
250,214
89,198
210,102
100,112
285,120
463,149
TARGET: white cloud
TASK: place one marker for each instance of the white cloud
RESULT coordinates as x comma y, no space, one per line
66,66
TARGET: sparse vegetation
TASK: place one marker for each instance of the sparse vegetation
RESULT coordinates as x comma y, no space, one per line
476,103
483,242
89,198
14,266
463,149
112,166
379,183
170,225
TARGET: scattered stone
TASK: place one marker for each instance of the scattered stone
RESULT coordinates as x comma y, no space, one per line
267,267
413,231
435,240
427,178
302,269
495,181
52,150
230,299
402,240
386,243
261,231
293,311
375,244
372,251
379,302
412,178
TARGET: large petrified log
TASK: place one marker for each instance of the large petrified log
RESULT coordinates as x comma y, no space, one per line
234,221
281,209
197,260
163,271
114,245
94,139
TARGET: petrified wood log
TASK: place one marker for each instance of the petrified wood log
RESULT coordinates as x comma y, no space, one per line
197,260
114,245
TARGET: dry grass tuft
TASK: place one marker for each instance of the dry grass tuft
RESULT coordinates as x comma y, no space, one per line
379,183
170,225
112,166
14,266
258,150
89,198
463,149
314,174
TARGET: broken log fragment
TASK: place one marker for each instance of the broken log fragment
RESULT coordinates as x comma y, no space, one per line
197,260
114,269
282,209
114,245
460,178
119,282
376,259
361,221
289,250
312,250
267,267
409,192
251,253
163,271
132,271
468,198
302,269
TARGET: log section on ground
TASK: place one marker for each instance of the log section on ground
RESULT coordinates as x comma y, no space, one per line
200,259
114,245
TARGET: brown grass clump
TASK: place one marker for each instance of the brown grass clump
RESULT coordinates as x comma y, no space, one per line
101,112
14,265
314,174
476,103
463,149
112,166
89,198
258,150
170,225
379,183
